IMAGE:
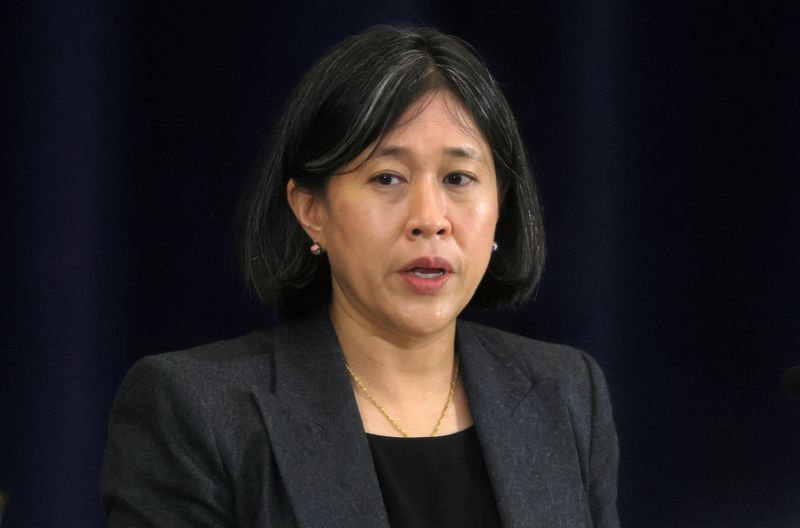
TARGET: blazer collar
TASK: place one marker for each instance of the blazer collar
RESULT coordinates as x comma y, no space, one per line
322,452
315,430
524,431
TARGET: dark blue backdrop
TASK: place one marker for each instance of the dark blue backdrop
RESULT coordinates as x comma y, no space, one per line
667,137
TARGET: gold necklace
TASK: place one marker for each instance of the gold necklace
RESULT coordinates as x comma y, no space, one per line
389,416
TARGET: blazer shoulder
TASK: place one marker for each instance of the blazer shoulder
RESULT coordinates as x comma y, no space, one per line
575,386
538,359
177,424
240,360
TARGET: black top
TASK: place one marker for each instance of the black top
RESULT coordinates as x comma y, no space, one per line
437,482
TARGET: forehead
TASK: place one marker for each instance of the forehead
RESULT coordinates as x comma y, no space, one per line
436,124
439,113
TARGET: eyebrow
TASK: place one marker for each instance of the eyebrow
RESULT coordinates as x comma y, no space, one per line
460,151
464,151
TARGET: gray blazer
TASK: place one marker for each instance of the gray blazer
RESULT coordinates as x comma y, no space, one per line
263,431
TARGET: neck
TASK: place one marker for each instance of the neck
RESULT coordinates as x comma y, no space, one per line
374,349
410,376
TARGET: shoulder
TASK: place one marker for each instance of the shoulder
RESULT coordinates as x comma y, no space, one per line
216,374
179,425
577,387
240,360
539,360
188,390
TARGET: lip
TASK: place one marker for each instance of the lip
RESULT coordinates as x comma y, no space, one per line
427,285
429,262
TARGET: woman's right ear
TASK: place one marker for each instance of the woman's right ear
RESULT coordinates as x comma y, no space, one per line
308,209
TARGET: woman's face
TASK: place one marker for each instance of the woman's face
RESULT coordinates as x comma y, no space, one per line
409,231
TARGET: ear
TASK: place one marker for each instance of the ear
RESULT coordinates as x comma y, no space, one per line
308,209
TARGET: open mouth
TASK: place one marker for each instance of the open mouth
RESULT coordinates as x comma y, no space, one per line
427,273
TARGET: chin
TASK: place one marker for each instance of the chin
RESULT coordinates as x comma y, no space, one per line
426,319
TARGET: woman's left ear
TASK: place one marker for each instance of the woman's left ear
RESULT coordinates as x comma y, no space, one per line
307,209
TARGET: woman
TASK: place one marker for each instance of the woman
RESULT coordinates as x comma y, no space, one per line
396,192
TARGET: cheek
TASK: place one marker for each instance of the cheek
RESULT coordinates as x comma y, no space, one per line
362,226
484,218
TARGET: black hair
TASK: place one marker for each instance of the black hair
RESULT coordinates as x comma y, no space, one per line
350,99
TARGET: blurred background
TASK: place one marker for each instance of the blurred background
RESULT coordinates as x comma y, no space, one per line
667,141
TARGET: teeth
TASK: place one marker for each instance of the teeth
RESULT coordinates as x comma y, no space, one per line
429,275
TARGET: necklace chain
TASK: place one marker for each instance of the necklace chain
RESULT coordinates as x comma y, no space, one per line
389,416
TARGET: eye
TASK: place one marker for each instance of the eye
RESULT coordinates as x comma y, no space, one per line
458,179
386,179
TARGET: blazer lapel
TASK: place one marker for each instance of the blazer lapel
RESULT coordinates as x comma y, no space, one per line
316,433
525,435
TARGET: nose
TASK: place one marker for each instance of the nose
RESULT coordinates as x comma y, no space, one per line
427,214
